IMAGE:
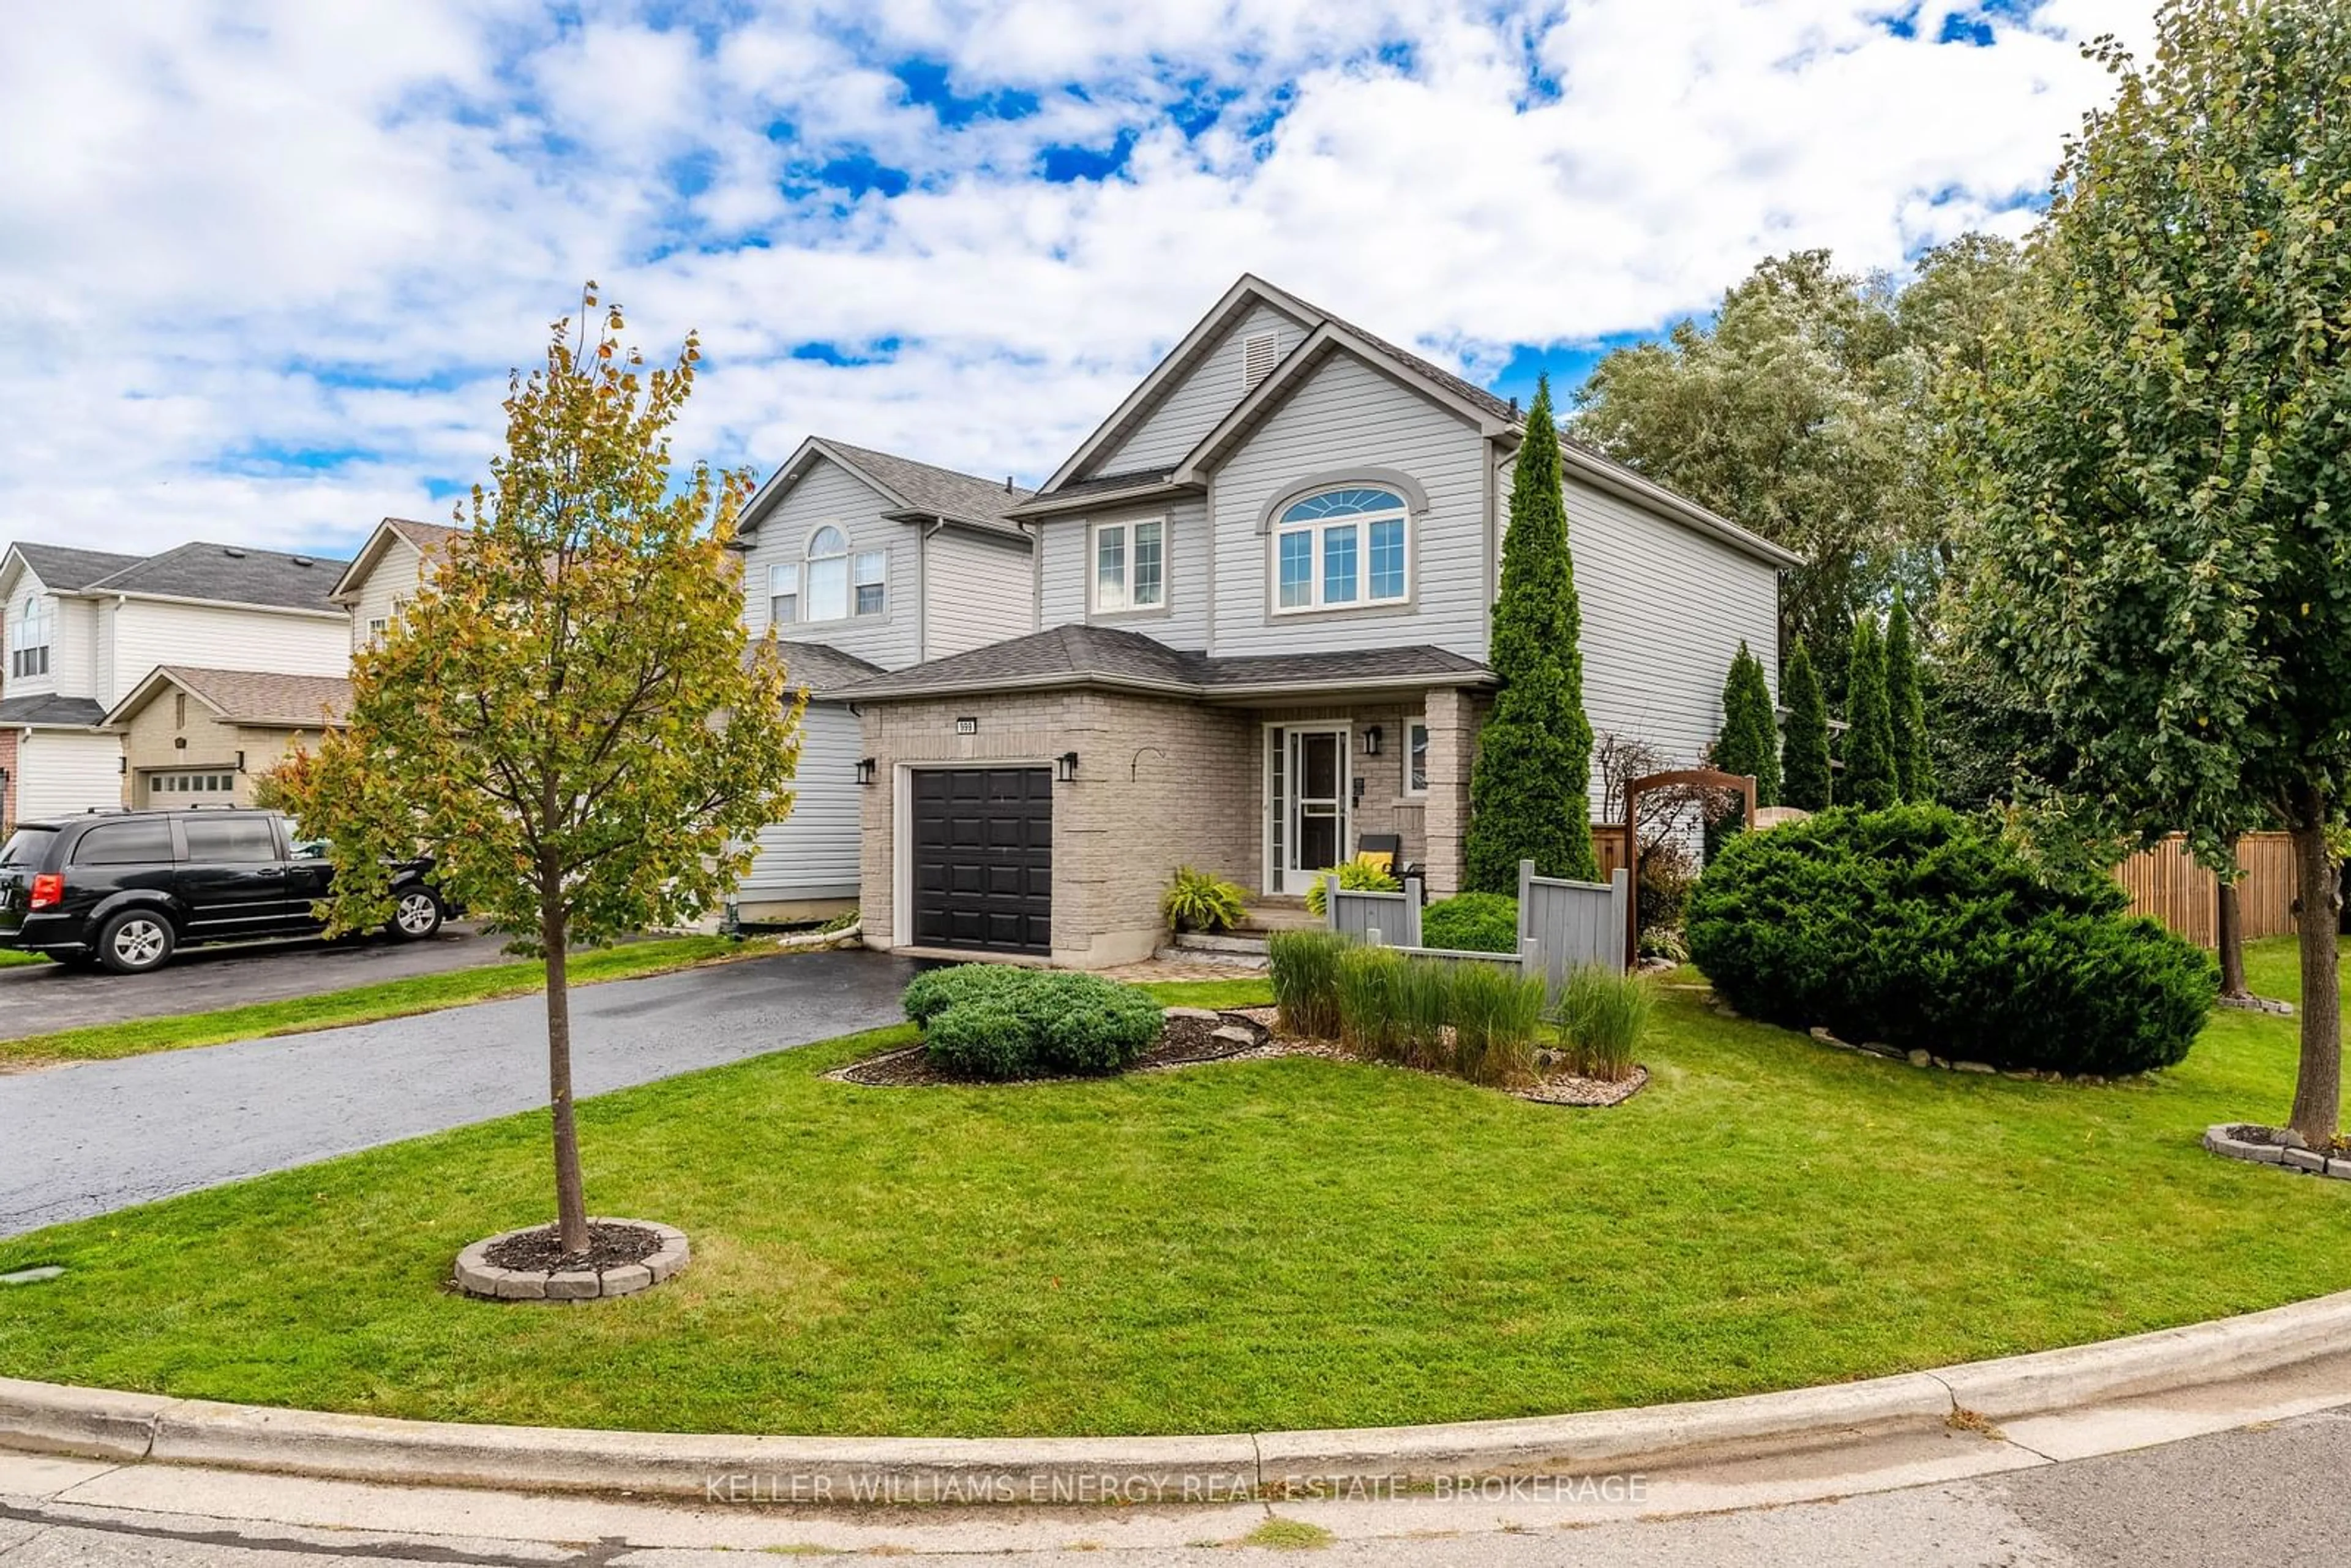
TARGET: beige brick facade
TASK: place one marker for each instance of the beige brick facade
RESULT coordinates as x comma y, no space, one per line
174,733
1161,782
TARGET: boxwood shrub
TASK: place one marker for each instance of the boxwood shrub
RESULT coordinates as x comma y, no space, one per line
1922,928
996,1021
1472,923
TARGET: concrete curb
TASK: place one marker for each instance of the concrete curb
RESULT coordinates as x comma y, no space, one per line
101,1424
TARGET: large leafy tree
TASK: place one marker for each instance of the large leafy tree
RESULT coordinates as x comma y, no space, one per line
568,714
1530,790
2162,458
1906,707
1869,778
1804,749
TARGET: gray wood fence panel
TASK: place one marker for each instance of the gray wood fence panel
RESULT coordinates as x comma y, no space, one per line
1572,923
1395,915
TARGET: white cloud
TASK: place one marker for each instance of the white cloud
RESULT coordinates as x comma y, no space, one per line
263,266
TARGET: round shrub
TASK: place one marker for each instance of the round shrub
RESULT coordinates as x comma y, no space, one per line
1472,923
1921,929
993,1020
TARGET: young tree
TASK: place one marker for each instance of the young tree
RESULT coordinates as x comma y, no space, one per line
1906,708
1804,751
1529,791
2158,457
1749,741
567,715
1869,780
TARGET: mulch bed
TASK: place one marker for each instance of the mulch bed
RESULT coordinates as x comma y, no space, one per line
912,1066
609,1247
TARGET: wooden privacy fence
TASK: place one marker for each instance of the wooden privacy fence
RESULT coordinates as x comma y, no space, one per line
2165,882
1562,926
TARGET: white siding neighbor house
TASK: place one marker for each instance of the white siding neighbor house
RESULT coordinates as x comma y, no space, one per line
84,628
861,562
1264,593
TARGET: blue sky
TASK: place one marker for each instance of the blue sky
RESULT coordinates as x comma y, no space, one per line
266,264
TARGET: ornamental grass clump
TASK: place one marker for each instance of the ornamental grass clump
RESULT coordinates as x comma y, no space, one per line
1369,986
1423,1000
1496,1014
1304,969
1602,1018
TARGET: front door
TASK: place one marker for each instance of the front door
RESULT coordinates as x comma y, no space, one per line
1309,767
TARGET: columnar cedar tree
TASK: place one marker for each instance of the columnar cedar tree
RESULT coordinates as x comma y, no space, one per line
1870,728
1906,708
1750,742
1804,751
1530,790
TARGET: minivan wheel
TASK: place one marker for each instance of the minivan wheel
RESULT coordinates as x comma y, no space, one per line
415,915
134,942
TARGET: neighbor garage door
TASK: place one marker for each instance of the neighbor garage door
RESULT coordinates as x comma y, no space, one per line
983,859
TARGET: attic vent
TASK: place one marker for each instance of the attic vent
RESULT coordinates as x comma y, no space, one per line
232,552
301,560
1259,352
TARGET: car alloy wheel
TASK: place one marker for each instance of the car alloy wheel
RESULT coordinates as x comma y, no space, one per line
139,944
417,915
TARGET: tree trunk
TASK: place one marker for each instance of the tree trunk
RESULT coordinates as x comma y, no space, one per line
2230,922
570,1198
2318,1084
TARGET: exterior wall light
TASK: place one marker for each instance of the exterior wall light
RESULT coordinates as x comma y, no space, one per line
1372,741
865,770
1065,767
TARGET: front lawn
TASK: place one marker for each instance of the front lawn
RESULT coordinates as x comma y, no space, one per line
1292,1242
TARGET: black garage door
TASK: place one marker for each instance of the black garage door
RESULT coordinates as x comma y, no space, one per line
984,859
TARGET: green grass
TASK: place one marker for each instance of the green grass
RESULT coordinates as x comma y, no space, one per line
361,1004
12,956
1278,1243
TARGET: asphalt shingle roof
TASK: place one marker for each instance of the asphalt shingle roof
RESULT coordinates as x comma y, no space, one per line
258,696
822,668
64,569
230,574
941,492
1083,655
432,538
50,709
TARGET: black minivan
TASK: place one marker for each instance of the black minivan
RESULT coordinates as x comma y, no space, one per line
125,889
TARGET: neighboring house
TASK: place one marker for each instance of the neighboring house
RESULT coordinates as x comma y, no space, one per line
84,627
203,738
1266,584
864,562
395,562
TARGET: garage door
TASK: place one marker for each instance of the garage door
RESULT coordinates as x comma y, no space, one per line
983,859
193,786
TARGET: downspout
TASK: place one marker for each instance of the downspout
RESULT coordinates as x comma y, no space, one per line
923,589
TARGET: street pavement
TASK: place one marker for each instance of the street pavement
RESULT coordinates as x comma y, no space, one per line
84,1140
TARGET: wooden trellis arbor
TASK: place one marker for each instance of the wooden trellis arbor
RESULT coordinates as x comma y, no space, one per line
1679,779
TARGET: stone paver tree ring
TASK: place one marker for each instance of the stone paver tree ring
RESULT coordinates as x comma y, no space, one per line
624,1256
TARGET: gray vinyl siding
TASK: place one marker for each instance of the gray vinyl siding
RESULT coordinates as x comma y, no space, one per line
1345,415
1191,408
1663,610
828,493
1067,572
975,591
813,852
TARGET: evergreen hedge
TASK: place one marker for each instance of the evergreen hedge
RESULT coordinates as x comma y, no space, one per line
996,1021
1924,930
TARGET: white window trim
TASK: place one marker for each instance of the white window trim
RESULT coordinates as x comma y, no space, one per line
1125,525
1314,530
32,630
848,559
773,593
857,581
1410,791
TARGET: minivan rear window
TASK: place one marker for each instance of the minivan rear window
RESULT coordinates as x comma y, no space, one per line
27,846
142,842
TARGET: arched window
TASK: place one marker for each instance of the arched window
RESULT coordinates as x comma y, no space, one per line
1342,547
831,584
28,638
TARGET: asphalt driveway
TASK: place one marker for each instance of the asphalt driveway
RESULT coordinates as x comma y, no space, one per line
78,1140
40,999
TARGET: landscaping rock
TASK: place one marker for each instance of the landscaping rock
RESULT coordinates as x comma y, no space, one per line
1187,1029
1972,1067
527,1265
1258,1031
1234,1037
2237,1140
2305,1160
2339,1168
1921,1058
574,1285
627,1280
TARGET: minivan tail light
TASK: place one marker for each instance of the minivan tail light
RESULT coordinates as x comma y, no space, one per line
48,890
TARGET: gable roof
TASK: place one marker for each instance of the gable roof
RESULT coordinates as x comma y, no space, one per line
64,570
433,540
1082,655
246,696
229,574
913,491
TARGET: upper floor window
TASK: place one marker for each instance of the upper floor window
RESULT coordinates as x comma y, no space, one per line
831,584
1342,547
1131,565
29,635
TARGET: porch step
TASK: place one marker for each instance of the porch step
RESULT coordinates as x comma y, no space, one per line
1236,944
1284,915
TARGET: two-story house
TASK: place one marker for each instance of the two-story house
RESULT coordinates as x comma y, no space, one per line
85,630
398,556
864,562
1265,586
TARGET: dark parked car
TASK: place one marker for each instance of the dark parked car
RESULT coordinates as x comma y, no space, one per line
125,889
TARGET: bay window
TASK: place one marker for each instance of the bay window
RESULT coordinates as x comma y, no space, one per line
1131,565
1339,549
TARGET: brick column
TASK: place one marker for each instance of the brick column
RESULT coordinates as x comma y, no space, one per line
1452,717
